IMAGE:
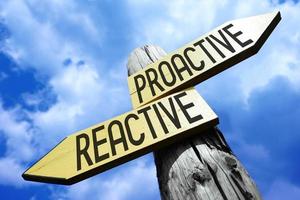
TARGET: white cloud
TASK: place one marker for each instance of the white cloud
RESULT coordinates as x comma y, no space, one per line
181,21
173,23
46,33
133,181
85,96
18,135
10,172
43,35
79,96
18,147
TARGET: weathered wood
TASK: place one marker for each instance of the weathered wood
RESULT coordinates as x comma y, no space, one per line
202,167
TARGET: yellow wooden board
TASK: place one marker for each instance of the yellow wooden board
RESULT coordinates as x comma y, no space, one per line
202,58
123,138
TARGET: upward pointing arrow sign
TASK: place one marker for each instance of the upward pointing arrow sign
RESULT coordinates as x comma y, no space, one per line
202,58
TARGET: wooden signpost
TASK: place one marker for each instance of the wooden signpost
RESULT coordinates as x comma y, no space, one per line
200,167
167,109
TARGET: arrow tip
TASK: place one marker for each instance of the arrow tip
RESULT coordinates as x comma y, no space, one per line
44,179
49,169
267,23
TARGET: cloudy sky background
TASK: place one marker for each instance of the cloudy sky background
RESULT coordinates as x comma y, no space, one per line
63,68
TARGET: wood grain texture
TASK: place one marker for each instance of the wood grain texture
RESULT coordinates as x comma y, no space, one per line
201,167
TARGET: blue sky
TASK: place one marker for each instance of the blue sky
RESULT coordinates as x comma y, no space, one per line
63,68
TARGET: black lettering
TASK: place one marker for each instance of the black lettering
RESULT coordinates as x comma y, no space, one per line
139,88
161,121
234,36
200,44
114,142
97,143
153,81
215,47
197,68
185,107
146,115
173,117
83,151
166,82
182,69
225,44
131,139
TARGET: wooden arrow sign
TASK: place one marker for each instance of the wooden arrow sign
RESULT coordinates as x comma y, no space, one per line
123,138
202,58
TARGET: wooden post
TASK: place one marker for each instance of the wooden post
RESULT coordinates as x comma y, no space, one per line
202,167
